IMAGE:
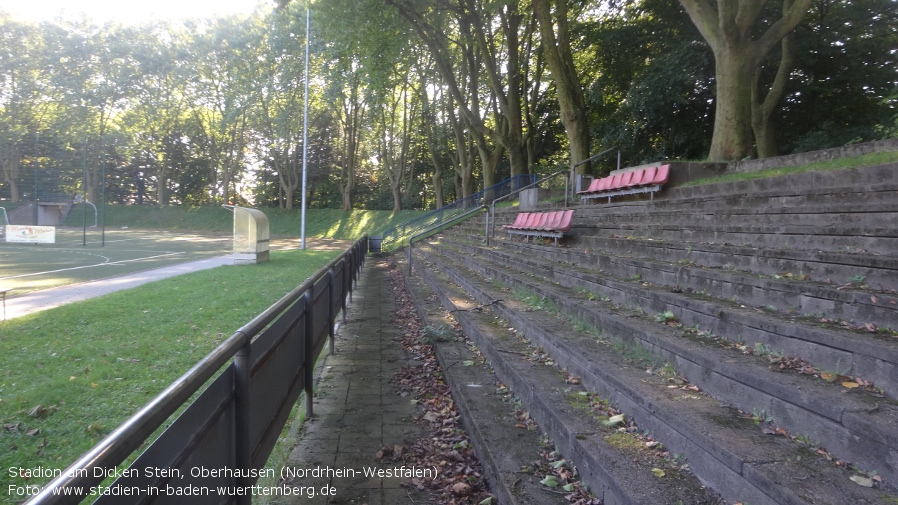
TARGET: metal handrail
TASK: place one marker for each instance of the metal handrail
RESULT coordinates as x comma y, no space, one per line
458,205
597,156
491,215
591,158
435,227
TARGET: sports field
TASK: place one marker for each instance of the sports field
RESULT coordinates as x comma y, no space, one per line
78,256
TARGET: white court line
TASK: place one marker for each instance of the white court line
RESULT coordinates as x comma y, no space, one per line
90,266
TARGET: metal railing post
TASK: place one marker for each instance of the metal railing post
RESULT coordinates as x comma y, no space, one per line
410,257
344,289
242,409
331,317
308,359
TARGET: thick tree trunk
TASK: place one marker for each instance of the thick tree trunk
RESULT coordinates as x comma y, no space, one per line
437,179
397,197
727,27
732,138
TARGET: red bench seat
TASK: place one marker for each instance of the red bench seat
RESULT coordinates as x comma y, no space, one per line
643,180
541,224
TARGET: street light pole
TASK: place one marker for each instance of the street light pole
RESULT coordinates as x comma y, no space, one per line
305,136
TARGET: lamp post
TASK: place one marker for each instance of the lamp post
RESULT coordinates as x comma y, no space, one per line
305,136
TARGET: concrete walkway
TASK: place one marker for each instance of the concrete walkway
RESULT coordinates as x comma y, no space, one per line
37,301
357,411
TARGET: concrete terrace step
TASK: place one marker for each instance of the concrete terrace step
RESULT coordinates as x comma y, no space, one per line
882,222
827,346
834,240
838,269
839,211
879,272
789,294
865,189
612,472
715,301
505,451
725,450
799,404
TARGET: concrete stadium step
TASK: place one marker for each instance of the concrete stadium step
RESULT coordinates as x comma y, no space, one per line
724,449
857,427
850,210
611,469
882,224
788,293
879,272
705,299
864,189
822,238
506,452
856,209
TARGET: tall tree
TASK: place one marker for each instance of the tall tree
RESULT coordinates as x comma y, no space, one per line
555,36
23,82
729,27
465,38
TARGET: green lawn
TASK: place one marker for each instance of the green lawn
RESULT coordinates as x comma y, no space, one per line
74,373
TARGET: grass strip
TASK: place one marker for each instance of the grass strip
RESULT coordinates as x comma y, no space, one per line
862,160
74,373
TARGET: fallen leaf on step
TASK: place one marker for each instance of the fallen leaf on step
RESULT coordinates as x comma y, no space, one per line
461,488
614,420
850,384
862,481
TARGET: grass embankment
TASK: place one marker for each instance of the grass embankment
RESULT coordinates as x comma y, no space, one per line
864,160
76,372
321,223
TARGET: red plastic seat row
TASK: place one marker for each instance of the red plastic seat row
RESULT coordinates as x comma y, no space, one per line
651,176
542,224
545,221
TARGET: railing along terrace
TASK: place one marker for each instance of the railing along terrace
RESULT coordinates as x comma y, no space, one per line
216,449
455,209
490,229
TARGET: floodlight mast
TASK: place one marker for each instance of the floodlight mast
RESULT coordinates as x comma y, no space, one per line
305,136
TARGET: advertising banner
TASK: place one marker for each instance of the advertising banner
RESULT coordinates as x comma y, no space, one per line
31,234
